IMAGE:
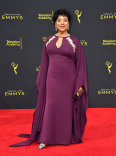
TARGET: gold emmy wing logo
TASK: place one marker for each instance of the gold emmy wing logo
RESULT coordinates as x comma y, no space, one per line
109,65
45,16
15,66
78,15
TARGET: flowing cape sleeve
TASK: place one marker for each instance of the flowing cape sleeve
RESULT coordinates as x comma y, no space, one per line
41,91
81,72
80,106
43,66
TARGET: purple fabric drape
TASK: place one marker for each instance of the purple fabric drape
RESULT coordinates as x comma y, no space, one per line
79,107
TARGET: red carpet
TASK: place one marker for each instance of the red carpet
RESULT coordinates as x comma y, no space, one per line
99,137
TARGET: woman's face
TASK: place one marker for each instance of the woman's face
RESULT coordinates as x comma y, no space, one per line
62,23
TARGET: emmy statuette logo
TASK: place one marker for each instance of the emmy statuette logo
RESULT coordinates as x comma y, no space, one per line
109,65
78,15
15,66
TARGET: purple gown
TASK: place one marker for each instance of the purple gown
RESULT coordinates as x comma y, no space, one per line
58,119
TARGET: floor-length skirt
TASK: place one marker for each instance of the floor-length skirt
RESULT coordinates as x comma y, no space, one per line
58,114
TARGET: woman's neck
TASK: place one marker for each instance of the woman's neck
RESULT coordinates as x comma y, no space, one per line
62,34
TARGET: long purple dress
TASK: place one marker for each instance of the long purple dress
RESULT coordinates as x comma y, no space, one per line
58,119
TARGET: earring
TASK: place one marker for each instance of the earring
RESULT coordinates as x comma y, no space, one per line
55,28
68,28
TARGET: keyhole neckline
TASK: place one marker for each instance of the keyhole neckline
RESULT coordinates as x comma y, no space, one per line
62,37
61,43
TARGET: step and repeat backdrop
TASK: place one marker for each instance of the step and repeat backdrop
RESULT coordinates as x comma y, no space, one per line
24,27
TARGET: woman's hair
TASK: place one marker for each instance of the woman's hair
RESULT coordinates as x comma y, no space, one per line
64,12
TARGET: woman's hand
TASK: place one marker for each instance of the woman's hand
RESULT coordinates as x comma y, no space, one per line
79,91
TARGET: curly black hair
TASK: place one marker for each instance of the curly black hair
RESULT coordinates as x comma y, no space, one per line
64,12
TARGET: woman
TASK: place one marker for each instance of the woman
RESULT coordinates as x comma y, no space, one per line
58,118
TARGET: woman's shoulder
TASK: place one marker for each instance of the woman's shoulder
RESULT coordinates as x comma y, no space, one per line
49,38
76,40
